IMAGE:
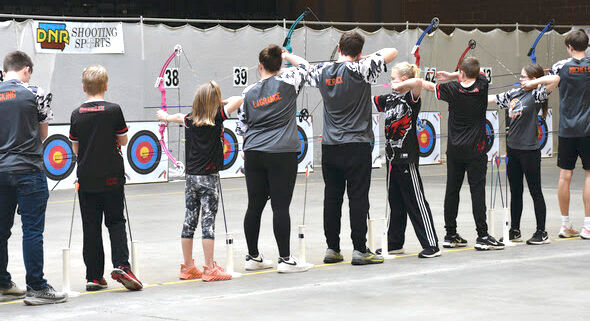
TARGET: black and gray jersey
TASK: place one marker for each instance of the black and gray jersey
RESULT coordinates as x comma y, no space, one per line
346,90
267,117
574,96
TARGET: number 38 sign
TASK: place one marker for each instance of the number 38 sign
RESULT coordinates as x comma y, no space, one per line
171,78
240,76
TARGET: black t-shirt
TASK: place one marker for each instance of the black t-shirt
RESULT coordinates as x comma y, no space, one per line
467,116
401,114
204,147
95,125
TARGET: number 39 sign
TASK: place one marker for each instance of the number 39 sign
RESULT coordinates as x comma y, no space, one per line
240,76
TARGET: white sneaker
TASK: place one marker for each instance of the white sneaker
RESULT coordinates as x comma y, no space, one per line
567,232
257,263
585,233
291,266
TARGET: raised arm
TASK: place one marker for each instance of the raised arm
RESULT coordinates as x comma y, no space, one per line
550,81
428,85
413,84
175,118
232,103
294,59
388,54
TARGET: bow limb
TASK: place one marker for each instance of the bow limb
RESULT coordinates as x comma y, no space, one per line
470,45
287,41
416,50
531,53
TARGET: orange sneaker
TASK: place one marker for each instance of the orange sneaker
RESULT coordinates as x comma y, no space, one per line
189,272
215,274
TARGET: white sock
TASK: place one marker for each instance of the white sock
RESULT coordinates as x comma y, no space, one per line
587,222
565,220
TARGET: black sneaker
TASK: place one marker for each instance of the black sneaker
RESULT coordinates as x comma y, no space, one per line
540,237
46,295
430,252
454,241
488,242
11,292
514,236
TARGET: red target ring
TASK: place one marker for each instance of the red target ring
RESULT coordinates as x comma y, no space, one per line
144,152
58,157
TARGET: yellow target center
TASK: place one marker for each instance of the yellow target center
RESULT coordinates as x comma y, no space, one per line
144,152
423,138
225,149
58,157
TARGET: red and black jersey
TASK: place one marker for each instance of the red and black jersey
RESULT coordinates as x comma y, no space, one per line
467,116
95,125
204,147
401,115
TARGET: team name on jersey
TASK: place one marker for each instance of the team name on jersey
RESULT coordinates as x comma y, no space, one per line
8,95
266,100
333,81
91,109
579,70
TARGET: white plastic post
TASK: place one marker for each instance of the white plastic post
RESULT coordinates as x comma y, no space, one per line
385,244
229,256
506,230
134,258
492,221
66,286
371,234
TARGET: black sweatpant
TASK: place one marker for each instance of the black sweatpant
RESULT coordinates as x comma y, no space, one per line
93,205
346,166
476,175
527,163
406,197
269,175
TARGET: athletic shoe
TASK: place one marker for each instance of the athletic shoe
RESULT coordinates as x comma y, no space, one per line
514,235
257,263
360,258
585,233
488,242
189,272
290,265
567,232
125,276
11,292
540,237
46,295
217,273
96,285
430,252
332,257
454,241
391,252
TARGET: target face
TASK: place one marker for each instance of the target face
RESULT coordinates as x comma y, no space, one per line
542,131
303,144
426,138
490,136
144,152
58,157
230,149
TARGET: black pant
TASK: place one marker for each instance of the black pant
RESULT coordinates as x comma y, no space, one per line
346,166
93,206
406,197
527,162
476,175
269,175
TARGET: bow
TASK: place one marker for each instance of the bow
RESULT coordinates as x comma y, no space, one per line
160,85
470,45
287,41
531,53
416,50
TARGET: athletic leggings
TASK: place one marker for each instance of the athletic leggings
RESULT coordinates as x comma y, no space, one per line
527,163
269,175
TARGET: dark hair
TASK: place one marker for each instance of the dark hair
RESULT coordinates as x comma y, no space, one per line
578,39
16,61
470,66
351,43
270,58
536,71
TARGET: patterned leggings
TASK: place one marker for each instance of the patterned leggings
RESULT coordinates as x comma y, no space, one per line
200,196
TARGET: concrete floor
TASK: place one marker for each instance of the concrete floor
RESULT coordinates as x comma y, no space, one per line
523,282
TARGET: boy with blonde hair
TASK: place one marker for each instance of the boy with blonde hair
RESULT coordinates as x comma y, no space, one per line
98,130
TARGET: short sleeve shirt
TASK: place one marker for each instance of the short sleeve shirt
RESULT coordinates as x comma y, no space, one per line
95,125
204,146
22,108
574,96
346,91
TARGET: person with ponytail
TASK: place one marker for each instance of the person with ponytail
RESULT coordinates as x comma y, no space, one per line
267,120
405,189
523,149
204,159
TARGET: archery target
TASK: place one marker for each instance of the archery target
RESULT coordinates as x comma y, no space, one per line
375,146
427,130
303,144
144,152
492,130
545,126
230,148
305,135
58,157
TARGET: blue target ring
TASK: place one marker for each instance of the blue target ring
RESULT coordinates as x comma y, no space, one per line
230,148
302,144
144,152
58,157
426,138
542,131
490,136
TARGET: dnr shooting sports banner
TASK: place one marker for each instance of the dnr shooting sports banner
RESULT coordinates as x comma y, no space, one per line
78,37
